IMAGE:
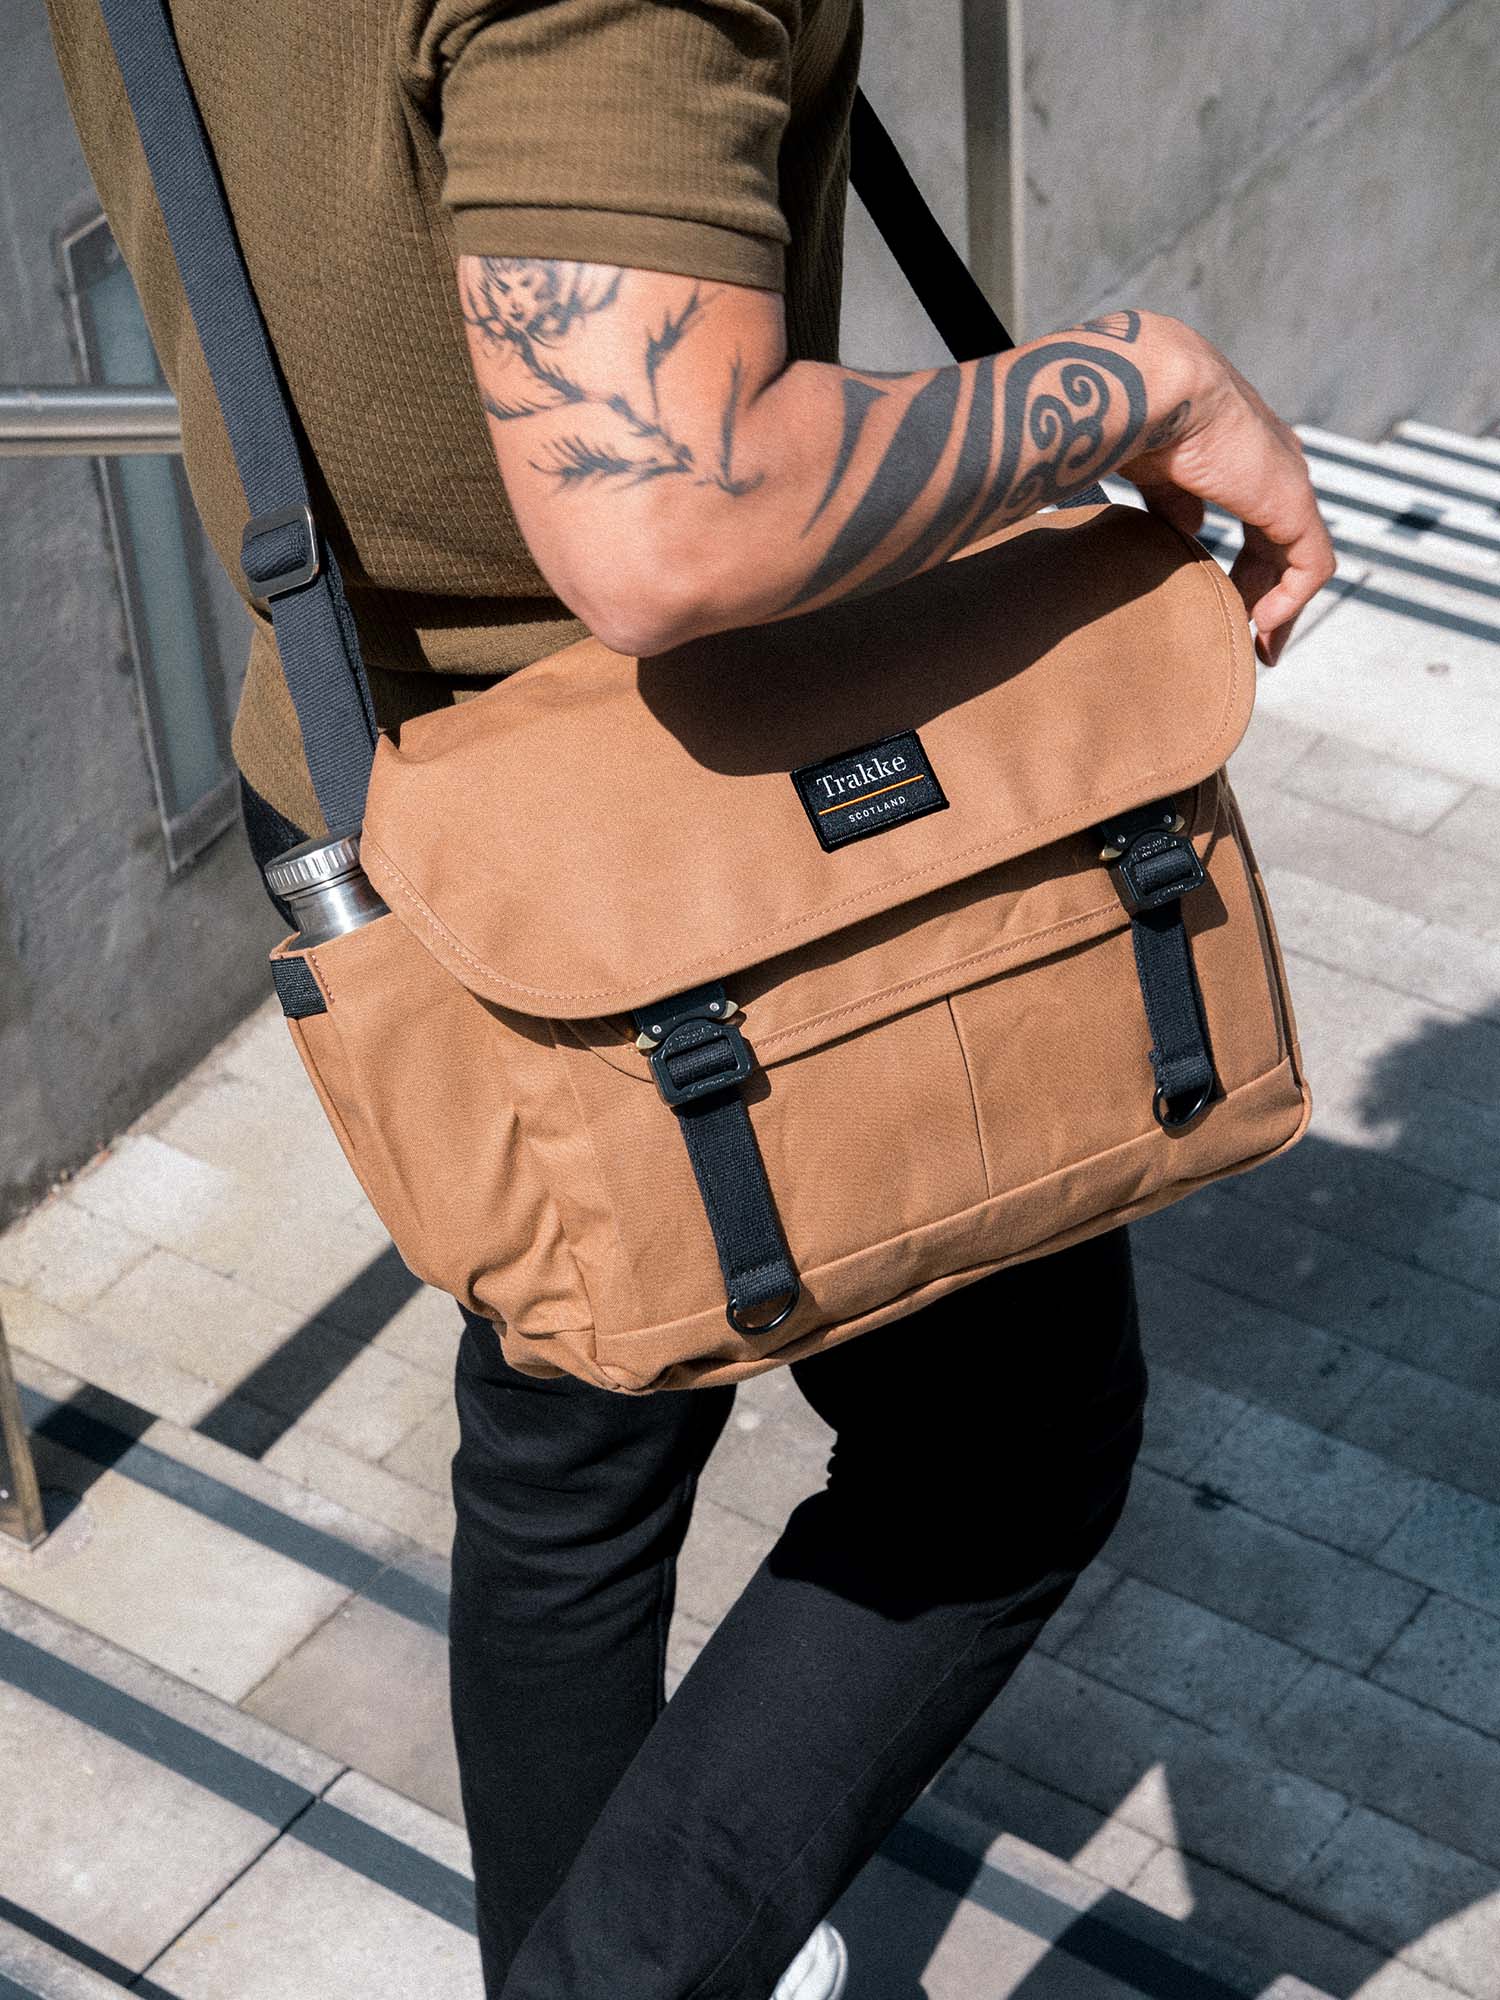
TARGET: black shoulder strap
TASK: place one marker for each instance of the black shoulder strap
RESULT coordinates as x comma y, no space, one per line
946,288
286,557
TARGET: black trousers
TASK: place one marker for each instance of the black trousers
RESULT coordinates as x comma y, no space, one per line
626,1848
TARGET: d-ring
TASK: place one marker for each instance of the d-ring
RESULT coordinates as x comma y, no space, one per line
1171,1121
732,1312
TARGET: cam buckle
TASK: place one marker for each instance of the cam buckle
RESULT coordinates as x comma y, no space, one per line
299,565
1153,860
694,1048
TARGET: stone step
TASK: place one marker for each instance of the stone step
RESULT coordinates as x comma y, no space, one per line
1450,444
1444,478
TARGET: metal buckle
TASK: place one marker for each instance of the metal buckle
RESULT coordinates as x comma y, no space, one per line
734,1312
692,1021
1153,860
267,589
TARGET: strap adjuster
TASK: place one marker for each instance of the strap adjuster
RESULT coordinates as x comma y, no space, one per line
693,1047
1153,859
293,560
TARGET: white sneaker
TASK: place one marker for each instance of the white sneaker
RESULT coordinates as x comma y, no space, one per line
820,1971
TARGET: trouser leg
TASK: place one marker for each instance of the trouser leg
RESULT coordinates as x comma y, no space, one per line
572,1504
966,1493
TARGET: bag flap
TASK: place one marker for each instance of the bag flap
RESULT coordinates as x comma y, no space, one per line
597,832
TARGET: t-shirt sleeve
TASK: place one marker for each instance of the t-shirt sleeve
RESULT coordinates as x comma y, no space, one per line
637,132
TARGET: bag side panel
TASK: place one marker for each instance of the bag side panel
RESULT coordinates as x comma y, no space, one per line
411,1070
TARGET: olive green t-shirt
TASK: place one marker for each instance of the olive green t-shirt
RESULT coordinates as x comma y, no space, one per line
363,145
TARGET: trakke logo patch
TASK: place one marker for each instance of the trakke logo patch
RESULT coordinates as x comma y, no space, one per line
869,790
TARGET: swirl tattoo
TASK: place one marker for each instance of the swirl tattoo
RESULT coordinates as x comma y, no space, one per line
1068,413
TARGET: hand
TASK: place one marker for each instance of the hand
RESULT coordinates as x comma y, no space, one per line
1229,449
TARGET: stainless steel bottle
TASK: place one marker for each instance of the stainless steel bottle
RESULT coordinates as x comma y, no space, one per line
328,891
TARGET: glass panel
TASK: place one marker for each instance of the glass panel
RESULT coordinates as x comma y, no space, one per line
162,557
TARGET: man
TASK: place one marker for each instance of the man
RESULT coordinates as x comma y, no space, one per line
621,219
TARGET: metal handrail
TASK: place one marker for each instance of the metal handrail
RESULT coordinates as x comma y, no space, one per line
87,423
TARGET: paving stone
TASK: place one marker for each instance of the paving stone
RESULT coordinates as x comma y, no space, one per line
370,1688
1384,1751
61,1253
1436,1907
1448,1657
1248,1349
305,1258
1424,1118
237,1123
763,1466
1474,826
1386,946
1367,677
1002,1799
1316,1484
1375,1201
1377,861
126,1879
155,1191
1281,1260
1092,1587
425,1454
93,1354
1190,1540
169,1584
1395,1981
166,1694
1265,1928
1207,1668
1269,748
907,1936
1463,1241
1430,1427
376,1402
1185,1420
1390,790
315,1462
195,1319
1451,1541
1211,1797
414,1825
37,1969
688,1637
722,1552
299,1923
426,1332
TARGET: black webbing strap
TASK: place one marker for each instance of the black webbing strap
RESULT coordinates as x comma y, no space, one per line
700,1060
286,560
1156,866
1180,1056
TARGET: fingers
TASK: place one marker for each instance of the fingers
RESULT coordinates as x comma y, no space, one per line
1277,582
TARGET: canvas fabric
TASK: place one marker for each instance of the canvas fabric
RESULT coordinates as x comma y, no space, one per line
953,1059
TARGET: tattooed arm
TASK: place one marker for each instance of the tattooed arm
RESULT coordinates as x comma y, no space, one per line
674,476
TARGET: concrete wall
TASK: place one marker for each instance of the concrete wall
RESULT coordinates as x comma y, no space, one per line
1315,189
115,975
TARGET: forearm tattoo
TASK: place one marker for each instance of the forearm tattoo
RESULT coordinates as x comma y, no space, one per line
1011,435
524,309
1067,413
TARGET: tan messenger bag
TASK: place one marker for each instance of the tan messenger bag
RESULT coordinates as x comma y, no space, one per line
639,1036
730,1003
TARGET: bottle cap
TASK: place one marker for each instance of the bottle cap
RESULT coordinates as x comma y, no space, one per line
316,864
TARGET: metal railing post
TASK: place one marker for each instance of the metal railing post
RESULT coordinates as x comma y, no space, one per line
20,1497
